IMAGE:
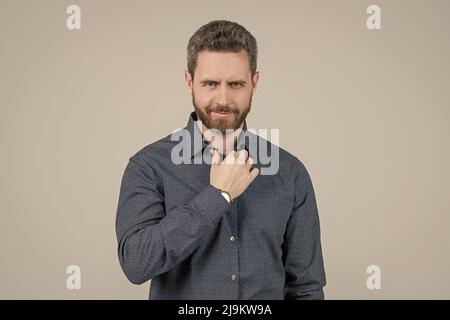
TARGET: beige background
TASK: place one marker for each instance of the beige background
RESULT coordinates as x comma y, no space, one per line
366,111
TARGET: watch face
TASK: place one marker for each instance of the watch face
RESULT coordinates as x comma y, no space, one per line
226,196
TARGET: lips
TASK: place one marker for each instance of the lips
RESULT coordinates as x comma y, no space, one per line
222,114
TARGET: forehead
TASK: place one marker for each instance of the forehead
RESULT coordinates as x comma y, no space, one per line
215,64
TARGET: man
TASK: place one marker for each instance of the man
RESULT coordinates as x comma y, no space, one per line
219,228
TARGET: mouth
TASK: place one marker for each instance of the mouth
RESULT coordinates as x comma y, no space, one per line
222,113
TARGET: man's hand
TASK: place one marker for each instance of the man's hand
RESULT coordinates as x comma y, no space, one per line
234,174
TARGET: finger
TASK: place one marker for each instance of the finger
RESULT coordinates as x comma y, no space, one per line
242,156
249,162
215,157
253,174
231,157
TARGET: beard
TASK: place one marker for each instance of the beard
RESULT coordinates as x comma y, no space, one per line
237,117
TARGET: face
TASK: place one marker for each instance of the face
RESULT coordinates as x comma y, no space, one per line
222,89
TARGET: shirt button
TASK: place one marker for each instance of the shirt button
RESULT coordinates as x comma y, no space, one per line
233,277
232,238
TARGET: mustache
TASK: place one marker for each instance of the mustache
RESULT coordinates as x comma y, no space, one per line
220,109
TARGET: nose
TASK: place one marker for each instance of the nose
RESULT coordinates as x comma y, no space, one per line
222,98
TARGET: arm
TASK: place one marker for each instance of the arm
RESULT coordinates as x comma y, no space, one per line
302,252
151,241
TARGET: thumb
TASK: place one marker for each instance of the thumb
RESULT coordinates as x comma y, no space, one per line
215,157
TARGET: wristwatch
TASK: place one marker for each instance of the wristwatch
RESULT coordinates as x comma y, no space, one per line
226,195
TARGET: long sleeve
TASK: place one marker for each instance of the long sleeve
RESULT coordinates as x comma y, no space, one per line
302,251
150,240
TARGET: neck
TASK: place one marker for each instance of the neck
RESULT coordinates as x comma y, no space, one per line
224,143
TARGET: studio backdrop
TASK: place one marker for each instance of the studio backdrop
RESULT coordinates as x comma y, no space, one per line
359,91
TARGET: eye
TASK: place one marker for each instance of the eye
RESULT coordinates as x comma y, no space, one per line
211,84
236,84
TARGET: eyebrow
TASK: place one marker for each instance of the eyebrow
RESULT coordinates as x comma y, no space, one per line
229,82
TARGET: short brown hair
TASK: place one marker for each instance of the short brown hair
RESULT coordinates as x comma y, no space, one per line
221,35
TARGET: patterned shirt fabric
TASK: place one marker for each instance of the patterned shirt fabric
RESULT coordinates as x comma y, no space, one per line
175,229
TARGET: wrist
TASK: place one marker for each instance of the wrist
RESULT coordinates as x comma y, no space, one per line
226,195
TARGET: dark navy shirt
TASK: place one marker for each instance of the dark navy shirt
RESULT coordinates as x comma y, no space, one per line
176,229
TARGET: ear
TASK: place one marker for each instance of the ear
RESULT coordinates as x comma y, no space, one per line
255,81
189,81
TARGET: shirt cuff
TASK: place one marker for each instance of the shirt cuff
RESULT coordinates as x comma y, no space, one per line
212,204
